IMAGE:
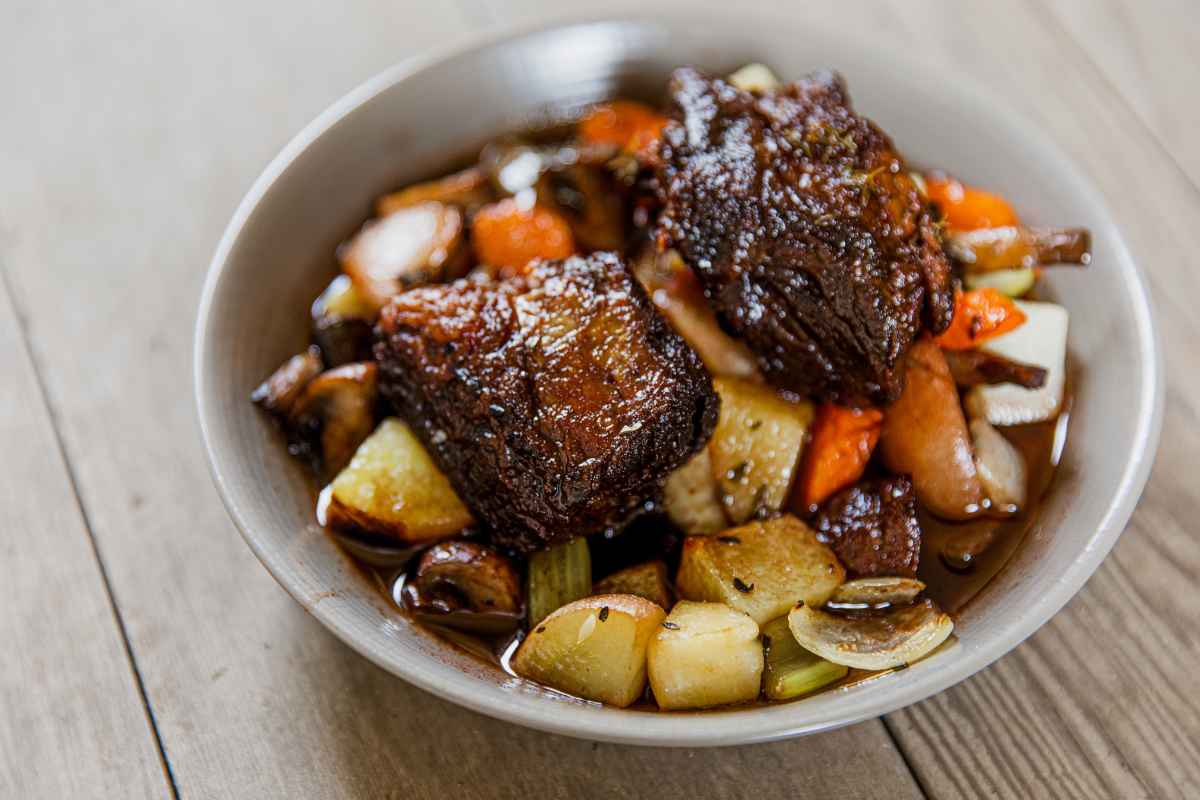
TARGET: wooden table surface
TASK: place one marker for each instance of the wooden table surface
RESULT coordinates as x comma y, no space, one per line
147,654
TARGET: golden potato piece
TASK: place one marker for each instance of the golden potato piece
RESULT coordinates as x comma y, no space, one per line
647,580
594,648
412,245
705,654
762,568
690,497
392,488
756,447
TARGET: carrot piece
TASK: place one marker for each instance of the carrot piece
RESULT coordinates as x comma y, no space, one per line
967,208
633,127
508,237
979,315
842,442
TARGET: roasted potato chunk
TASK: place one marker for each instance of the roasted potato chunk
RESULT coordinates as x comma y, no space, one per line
705,654
392,488
690,497
756,447
594,648
761,569
647,580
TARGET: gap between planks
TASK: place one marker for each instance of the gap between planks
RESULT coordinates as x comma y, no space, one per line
6,287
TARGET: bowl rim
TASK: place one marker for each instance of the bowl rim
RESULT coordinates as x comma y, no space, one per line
746,726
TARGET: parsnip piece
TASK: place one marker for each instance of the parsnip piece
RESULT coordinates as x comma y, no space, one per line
1041,341
756,447
393,488
690,497
594,648
762,568
705,654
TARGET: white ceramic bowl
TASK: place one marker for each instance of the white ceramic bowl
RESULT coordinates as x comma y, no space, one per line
413,120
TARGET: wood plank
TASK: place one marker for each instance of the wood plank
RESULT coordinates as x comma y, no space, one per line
73,721
1148,54
251,696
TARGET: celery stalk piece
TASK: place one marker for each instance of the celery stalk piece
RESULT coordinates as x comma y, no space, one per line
560,574
792,671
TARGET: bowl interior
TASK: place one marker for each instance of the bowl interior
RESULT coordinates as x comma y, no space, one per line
416,120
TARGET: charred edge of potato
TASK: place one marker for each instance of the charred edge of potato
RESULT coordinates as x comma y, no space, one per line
277,395
334,415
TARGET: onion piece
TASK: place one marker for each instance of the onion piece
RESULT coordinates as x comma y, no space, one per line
872,641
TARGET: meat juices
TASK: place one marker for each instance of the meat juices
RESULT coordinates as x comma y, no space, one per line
556,402
809,237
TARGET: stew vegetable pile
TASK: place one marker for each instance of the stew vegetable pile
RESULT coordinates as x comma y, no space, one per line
692,407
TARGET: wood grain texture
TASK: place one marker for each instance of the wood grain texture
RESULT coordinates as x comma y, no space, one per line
112,215
72,723
1149,56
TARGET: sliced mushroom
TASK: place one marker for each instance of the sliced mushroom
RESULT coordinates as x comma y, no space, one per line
1001,467
983,368
872,641
465,585
1014,246
467,189
342,321
413,245
278,393
334,415
864,593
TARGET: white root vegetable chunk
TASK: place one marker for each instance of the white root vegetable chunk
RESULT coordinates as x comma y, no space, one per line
1041,341
705,654
762,568
876,641
594,648
690,497
1000,465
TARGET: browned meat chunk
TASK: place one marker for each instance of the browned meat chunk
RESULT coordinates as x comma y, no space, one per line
873,528
808,235
557,402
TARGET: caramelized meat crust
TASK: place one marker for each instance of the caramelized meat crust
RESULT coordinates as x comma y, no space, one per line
811,240
556,402
873,528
